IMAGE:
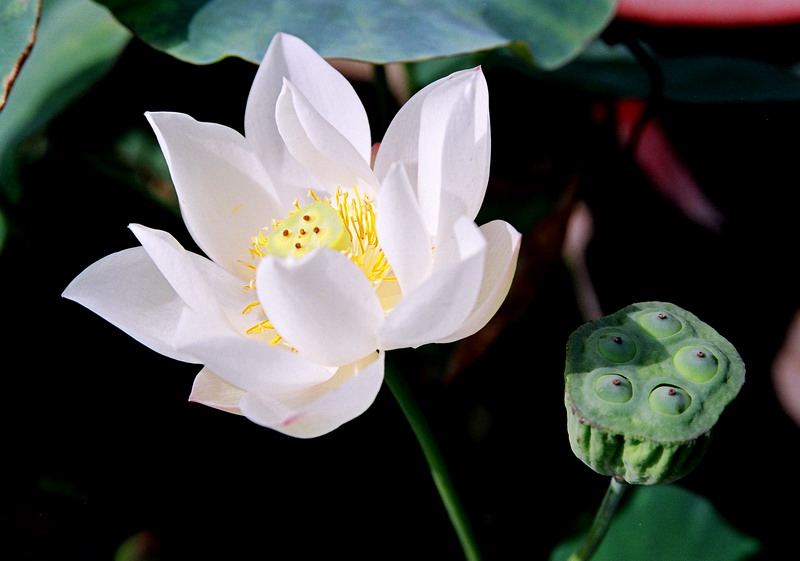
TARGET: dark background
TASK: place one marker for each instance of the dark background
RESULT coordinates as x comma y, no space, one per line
101,443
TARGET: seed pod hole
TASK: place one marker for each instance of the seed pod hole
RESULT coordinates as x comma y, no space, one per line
616,346
660,324
696,363
669,400
613,388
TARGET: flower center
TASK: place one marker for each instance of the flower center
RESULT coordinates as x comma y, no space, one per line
311,227
346,224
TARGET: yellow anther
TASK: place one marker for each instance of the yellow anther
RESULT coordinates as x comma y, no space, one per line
249,308
346,223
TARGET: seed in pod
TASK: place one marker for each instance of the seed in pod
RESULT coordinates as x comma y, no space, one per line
643,389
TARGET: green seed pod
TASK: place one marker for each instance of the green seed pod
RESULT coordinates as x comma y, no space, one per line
643,388
311,227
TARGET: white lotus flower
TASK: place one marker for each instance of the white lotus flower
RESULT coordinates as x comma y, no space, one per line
317,261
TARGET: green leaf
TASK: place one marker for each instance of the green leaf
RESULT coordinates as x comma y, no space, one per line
612,70
547,32
18,20
668,523
77,42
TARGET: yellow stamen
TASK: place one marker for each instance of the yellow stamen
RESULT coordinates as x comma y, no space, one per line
358,215
355,216
250,307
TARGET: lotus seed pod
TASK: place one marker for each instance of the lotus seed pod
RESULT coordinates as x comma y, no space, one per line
643,389
311,227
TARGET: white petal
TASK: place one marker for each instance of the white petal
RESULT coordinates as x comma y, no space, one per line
203,286
128,290
211,390
440,305
455,145
501,262
401,141
322,305
401,229
323,408
442,135
327,91
323,150
249,363
223,191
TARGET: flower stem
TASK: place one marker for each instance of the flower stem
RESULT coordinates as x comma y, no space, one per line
602,520
433,455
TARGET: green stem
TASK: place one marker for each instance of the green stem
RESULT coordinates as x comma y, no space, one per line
602,520
433,455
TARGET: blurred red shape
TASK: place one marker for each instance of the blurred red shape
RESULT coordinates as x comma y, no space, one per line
711,13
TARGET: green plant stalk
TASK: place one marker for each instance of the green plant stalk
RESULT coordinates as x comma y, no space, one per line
433,455
602,520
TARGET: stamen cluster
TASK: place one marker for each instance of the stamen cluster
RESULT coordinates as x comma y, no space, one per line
357,215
